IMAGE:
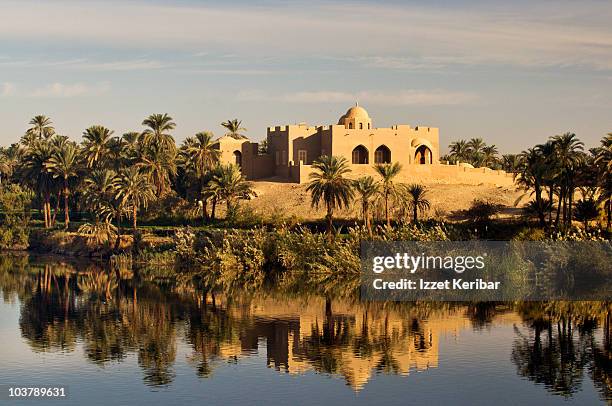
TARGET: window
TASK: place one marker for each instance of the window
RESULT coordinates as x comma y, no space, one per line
382,155
351,126
422,155
368,126
277,156
238,158
302,156
360,155
284,158
361,126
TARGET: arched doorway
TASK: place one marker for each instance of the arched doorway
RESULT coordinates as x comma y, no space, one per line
382,155
238,158
360,155
422,156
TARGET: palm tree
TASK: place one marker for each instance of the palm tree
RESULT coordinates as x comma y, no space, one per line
475,145
568,156
489,155
99,197
133,191
329,184
64,164
510,162
99,192
158,164
367,189
157,132
35,173
388,172
41,128
234,127
200,153
459,150
230,185
531,175
417,200
199,156
96,144
586,210
603,161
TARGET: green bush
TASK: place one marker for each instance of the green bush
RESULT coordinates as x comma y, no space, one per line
15,205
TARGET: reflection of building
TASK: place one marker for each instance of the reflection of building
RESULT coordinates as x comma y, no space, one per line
293,148
349,342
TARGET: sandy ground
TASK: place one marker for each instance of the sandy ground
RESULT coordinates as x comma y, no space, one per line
290,199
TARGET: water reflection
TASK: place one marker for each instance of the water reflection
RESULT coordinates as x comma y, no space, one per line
115,313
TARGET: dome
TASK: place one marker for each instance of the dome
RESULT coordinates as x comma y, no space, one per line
355,112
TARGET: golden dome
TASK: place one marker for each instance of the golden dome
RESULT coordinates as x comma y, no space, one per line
355,112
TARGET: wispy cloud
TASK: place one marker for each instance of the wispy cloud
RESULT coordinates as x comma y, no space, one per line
570,34
410,97
63,90
84,64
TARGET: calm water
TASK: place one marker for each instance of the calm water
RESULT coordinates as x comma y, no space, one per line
121,337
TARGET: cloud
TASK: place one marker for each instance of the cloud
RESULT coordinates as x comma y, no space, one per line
85,64
394,98
61,90
401,36
7,89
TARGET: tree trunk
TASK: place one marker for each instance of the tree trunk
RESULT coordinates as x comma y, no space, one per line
48,208
213,209
134,214
66,210
540,205
387,209
58,203
550,205
205,210
415,214
329,218
571,203
44,207
609,221
118,240
559,203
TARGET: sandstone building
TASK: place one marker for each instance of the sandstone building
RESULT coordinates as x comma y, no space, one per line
291,150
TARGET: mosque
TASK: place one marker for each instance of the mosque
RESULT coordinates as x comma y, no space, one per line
291,150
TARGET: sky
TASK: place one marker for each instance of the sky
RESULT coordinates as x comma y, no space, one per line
513,73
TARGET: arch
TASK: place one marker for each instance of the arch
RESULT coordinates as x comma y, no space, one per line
350,126
382,155
361,126
238,158
360,155
422,155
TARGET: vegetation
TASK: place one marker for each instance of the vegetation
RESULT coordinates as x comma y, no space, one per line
330,186
143,177
476,153
553,173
